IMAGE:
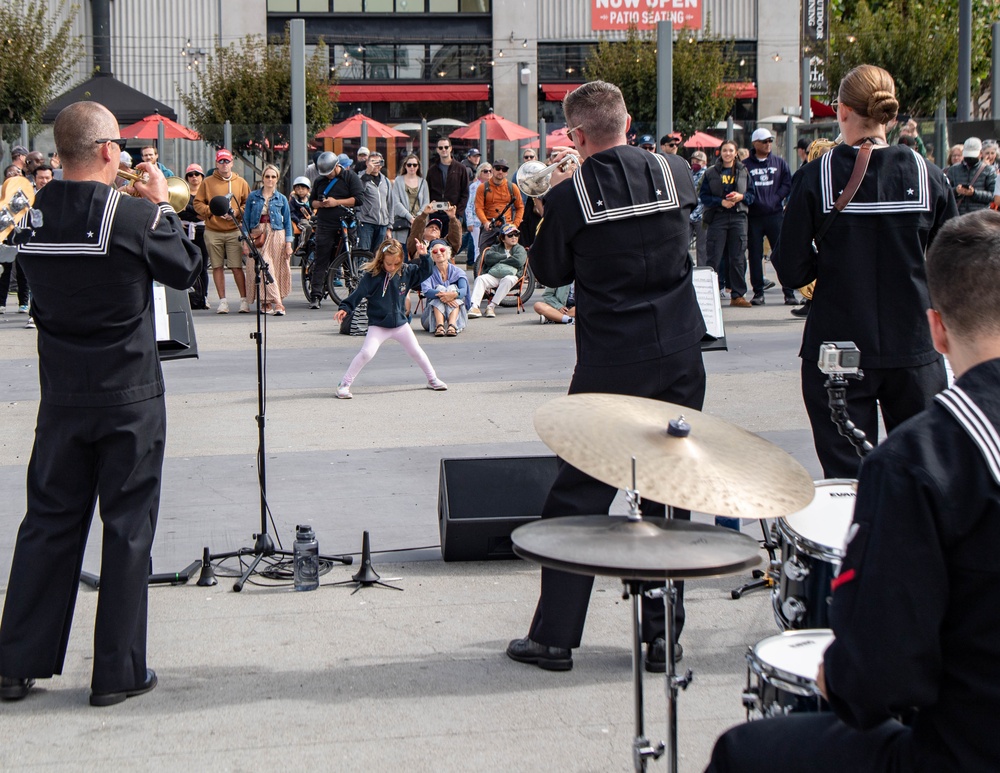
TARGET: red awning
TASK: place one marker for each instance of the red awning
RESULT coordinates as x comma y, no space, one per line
556,92
821,110
415,92
739,90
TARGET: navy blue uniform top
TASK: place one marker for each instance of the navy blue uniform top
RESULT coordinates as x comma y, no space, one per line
634,294
387,296
871,284
914,609
91,267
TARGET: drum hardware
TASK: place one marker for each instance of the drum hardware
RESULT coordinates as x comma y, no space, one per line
766,578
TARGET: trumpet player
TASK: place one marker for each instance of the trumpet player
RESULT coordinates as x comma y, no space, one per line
620,231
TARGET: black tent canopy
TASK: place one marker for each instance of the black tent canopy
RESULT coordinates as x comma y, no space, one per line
128,104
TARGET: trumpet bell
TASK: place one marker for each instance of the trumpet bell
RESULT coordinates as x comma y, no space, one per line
533,178
178,192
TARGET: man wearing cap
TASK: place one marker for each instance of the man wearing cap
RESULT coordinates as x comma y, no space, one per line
771,180
973,180
646,143
361,164
502,267
802,149
18,154
670,142
336,187
300,209
373,209
222,235
471,162
497,199
433,224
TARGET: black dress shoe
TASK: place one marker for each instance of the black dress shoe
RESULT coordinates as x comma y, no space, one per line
791,300
757,300
111,698
802,311
656,655
768,284
12,689
550,658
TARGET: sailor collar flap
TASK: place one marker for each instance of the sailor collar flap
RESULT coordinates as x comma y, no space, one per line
618,184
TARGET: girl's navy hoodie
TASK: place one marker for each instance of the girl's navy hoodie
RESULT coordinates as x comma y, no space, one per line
386,300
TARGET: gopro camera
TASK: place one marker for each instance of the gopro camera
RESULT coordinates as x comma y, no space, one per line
839,358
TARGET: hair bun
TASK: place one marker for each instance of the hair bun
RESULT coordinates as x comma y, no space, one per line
882,106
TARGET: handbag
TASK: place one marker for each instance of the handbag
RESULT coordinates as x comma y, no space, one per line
259,235
400,223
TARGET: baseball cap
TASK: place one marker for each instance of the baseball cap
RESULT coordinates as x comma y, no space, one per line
302,181
18,150
508,229
972,148
222,153
760,135
499,162
646,139
439,219
803,143
194,168
474,152
436,242
363,151
344,160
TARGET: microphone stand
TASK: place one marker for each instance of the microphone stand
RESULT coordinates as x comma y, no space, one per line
263,547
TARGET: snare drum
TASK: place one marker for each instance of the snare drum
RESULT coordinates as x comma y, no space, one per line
812,548
785,668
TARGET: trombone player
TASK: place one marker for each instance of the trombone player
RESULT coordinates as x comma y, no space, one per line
91,258
620,230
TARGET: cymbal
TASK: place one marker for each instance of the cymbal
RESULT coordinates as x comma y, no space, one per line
650,549
718,468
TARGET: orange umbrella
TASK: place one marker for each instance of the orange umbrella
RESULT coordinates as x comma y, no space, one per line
148,128
497,128
556,138
352,128
702,140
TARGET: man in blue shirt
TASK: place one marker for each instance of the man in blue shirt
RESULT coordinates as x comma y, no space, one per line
772,181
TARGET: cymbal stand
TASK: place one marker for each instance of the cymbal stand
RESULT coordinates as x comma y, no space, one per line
766,578
642,750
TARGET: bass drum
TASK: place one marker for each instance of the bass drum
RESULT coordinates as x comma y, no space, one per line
812,548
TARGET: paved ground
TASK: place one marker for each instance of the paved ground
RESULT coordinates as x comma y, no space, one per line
378,680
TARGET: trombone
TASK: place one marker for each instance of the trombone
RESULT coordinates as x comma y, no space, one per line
178,192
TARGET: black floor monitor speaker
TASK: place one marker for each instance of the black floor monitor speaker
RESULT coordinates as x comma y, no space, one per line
482,500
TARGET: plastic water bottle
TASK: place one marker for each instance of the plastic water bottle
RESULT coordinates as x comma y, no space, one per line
306,558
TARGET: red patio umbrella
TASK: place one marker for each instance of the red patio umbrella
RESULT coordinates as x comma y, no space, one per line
352,128
497,128
148,128
558,137
702,140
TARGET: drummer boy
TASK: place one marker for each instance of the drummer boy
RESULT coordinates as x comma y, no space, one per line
913,674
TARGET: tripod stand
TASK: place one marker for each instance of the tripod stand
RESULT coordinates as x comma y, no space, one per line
263,547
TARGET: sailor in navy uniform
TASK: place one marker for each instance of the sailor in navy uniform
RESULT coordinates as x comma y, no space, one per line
91,261
620,230
914,611
871,288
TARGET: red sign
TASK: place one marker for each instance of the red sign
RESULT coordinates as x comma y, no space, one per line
644,14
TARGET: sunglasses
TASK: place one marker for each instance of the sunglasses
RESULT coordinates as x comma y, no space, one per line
119,141
194,174
486,171
671,144
438,250
529,158
770,139
412,166
512,235
444,147
224,161
501,168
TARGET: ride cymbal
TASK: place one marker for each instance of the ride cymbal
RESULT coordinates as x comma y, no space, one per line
716,468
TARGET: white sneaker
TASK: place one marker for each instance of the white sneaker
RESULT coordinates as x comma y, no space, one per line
244,306
490,311
437,385
22,309
475,313
223,306
31,323
344,391
3,309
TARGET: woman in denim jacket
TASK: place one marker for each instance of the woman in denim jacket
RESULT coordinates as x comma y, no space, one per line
267,211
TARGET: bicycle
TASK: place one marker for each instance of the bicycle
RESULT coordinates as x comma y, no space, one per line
345,269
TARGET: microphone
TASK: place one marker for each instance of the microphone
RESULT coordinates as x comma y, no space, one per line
220,206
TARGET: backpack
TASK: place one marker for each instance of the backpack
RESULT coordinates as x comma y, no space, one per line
356,323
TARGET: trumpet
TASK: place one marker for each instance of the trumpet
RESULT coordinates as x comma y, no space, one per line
533,177
178,192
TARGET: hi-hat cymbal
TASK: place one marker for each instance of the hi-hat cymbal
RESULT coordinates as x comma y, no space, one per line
717,468
650,549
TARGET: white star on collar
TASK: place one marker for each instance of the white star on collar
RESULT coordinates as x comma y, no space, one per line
90,234
659,192
840,193
599,203
909,191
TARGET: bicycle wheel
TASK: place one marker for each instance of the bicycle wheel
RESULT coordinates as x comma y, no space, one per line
306,271
344,276
527,289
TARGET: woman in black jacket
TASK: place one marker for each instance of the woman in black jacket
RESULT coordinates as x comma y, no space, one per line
726,193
